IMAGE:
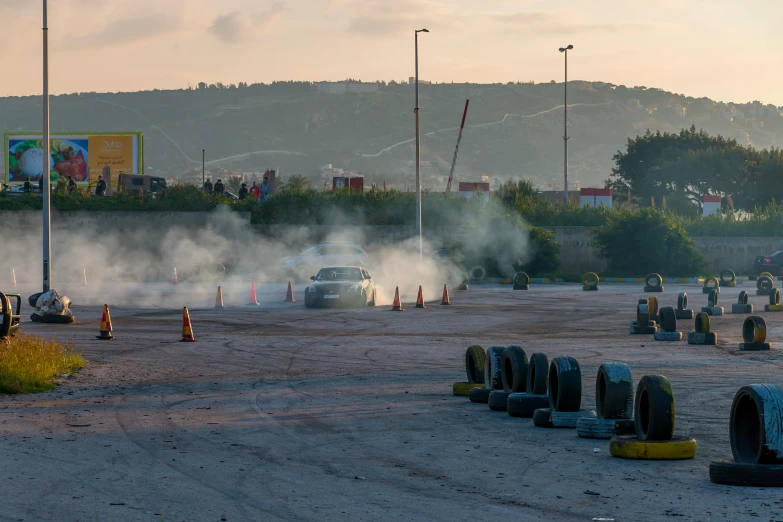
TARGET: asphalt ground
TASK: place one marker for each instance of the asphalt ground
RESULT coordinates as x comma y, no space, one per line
279,412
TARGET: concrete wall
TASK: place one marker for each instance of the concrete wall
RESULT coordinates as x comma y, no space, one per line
149,221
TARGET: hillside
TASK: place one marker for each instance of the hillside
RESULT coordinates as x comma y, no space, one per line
513,130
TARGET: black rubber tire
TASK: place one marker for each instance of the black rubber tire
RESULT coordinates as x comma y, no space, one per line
764,283
474,363
614,391
480,395
521,279
542,418
743,298
33,299
498,400
52,318
667,319
565,384
730,277
595,428
476,277
654,409
642,315
712,298
682,301
755,424
492,368
537,374
749,475
702,323
774,296
754,329
514,365
525,404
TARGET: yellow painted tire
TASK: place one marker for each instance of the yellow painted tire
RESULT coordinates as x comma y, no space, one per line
754,329
629,447
590,279
768,274
652,305
713,280
462,389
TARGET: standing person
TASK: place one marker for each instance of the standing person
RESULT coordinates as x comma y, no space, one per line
243,191
208,186
255,190
40,184
28,187
100,187
265,187
219,188
71,185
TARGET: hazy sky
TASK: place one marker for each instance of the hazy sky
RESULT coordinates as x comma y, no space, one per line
723,49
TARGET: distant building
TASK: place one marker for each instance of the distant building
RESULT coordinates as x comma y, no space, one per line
412,81
346,87
711,205
595,197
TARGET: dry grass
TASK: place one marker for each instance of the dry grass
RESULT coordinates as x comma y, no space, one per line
29,364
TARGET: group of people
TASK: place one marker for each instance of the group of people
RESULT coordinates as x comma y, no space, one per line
100,186
258,192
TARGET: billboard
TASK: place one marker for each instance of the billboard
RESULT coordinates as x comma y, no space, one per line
81,156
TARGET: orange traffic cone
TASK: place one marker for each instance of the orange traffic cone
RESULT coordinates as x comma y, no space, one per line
105,325
187,330
84,277
219,298
396,305
289,294
174,280
445,299
420,299
253,298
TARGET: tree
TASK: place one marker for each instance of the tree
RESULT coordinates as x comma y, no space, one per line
295,182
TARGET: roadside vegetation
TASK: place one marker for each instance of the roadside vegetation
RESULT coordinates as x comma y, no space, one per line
30,364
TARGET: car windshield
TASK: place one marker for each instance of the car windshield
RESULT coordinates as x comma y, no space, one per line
310,251
339,274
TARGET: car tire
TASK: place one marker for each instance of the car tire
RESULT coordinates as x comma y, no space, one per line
372,303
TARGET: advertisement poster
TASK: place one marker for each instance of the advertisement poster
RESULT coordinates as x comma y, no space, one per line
81,156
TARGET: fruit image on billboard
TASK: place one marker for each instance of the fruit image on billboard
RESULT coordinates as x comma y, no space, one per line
79,156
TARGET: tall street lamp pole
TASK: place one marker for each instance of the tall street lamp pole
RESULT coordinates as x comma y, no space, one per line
45,171
565,127
418,151
203,168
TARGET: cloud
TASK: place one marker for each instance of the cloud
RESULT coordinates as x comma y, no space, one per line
549,23
125,30
381,18
236,27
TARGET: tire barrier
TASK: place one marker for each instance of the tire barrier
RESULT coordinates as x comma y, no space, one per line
629,447
538,375
568,419
643,325
707,288
477,273
774,301
764,284
521,281
754,333
474,363
614,391
728,278
525,404
652,304
498,400
462,389
682,311
514,369
493,379
654,409
742,306
712,307
595,428
756,435
653,283
590,281
668,321
565,384
480,395
542,418
768,274
702,335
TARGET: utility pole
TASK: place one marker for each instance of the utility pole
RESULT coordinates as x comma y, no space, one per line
45,171
418,148
565,126
203,168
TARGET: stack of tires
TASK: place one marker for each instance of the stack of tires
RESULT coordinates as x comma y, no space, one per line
756,435
654,425
524,404
512,370
474,368
613,404
702,335
565,396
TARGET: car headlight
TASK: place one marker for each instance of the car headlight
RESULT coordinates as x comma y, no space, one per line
355,288
311,288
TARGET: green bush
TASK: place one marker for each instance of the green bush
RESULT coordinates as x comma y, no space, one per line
646,241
